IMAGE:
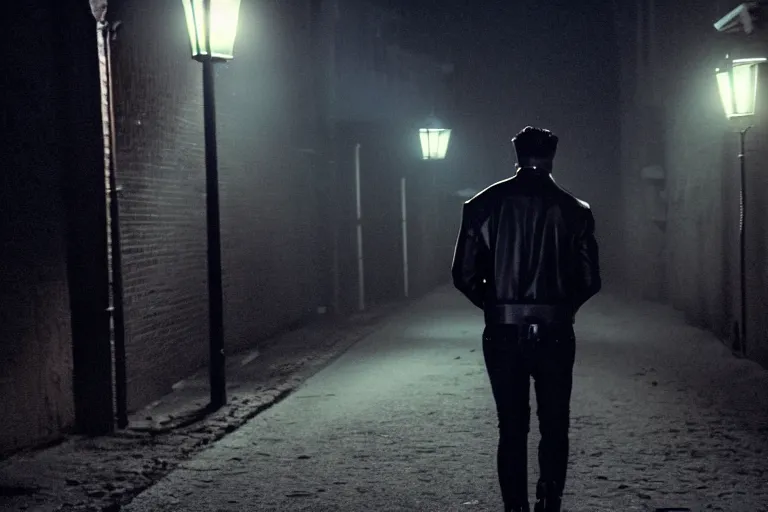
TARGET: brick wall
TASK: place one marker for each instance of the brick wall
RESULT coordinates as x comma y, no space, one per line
276,184
35,339
696,252
271,179
159,165
268,186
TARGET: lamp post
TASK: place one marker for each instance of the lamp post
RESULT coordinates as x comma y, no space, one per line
212,25
737,83
359,220
434,138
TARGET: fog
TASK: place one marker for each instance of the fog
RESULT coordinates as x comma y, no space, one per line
325,267
552,64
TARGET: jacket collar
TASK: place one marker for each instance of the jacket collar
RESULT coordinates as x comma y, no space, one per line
534,171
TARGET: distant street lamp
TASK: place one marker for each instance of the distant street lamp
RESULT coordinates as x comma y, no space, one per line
434,139
212,26
737,83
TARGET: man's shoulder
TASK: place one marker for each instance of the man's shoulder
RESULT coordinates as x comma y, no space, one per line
488,195
491,195
571,198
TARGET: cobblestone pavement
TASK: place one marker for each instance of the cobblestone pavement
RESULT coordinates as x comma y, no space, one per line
662,416
104,473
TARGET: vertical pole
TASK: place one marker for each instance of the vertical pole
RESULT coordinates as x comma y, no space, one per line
404,222
118,316
80,148
215,294
335,235
743,241
360,261
436,248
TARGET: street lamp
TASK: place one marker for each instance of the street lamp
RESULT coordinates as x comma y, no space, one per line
212,26
737,83
434,139
223,16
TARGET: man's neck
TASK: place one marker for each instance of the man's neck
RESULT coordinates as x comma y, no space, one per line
534,170
543,164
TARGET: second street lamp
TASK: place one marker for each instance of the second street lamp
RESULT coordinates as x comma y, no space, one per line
737,83
212,26
434,139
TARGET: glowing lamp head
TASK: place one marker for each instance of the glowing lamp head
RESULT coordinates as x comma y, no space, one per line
434,140
212,26
737,84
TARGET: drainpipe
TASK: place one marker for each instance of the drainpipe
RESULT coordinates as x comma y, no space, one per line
360,256
106,32
80,148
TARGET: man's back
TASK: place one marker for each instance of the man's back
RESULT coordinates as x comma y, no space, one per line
527,241
527,255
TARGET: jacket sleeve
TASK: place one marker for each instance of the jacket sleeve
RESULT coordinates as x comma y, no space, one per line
469,260
588,280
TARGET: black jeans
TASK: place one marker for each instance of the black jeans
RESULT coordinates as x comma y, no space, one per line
514,354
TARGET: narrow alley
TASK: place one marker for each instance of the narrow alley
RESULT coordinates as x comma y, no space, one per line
229,227
662,416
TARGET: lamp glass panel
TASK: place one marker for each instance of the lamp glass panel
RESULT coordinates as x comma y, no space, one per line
726,94
193,11
738,87
745,89
224,20
442,148
424,136
434,143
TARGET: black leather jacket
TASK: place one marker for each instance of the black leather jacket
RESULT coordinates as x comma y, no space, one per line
526,240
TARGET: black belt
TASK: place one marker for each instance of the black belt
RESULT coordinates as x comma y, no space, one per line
527,314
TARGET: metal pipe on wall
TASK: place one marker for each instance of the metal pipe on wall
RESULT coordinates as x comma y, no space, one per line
116,264
360,255
85,201
404,223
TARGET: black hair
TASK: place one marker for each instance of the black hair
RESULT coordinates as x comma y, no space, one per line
535,143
